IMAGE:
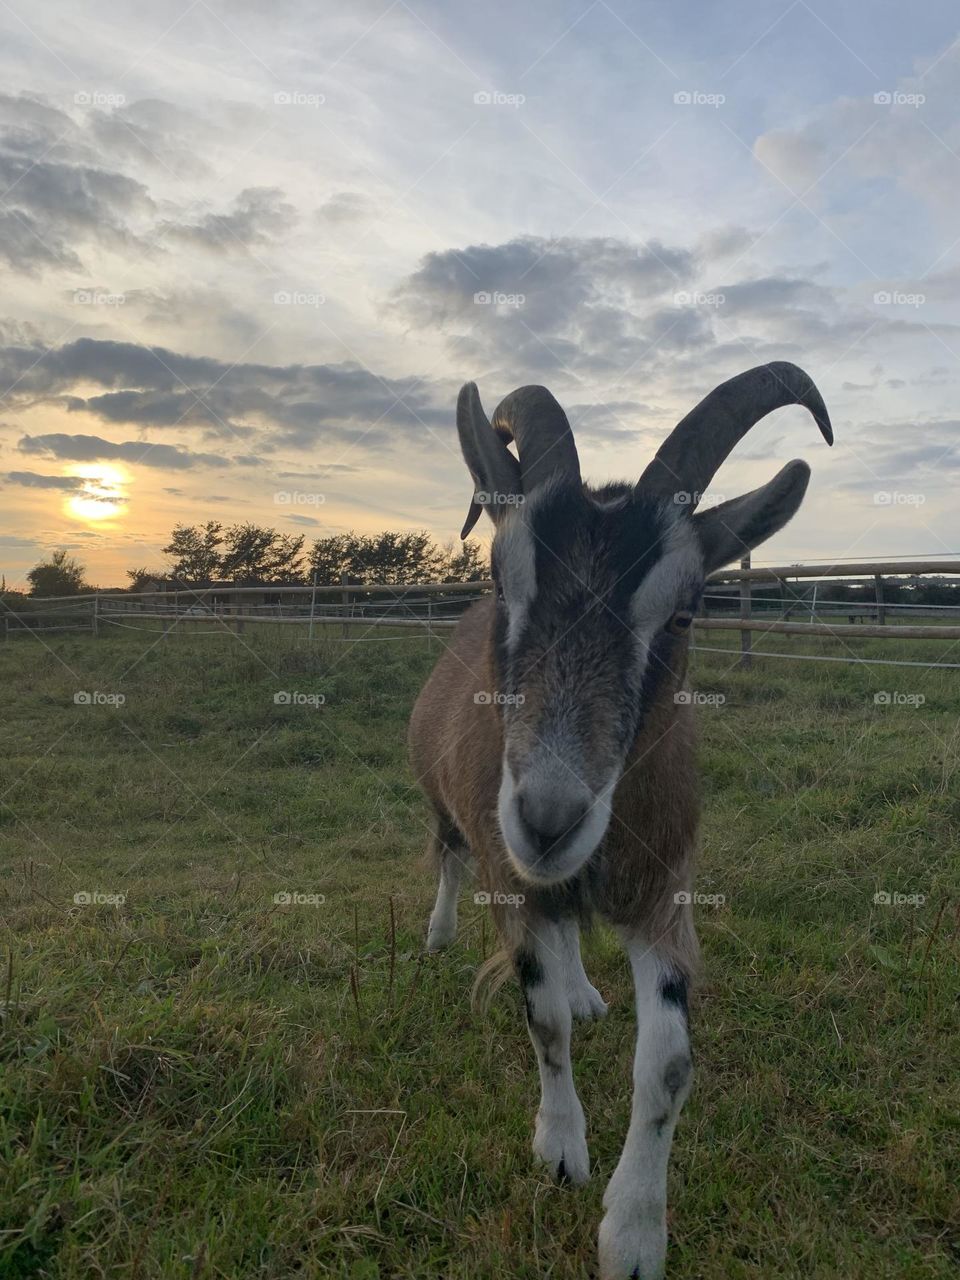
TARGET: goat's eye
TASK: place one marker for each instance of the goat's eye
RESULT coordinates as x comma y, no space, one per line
680,623
500,595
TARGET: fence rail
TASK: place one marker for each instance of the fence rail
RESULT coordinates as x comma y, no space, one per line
438,606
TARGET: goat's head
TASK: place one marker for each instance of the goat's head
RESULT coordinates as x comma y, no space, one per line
596,591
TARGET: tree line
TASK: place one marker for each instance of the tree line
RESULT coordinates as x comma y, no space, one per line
251,555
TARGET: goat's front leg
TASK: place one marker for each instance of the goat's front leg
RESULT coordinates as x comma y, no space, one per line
633,1234
585,1000
541,962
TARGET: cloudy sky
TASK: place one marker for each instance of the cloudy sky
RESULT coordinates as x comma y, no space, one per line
250,252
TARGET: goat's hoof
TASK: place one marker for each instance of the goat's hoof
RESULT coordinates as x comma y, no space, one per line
633,1246
587,1004
562,1146
440,936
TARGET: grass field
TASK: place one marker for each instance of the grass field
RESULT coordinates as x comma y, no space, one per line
200,1082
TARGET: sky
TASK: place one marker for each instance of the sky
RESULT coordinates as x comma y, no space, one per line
250,253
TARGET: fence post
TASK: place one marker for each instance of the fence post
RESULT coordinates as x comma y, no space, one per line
313,605
746,589
881,611
345,604
95,620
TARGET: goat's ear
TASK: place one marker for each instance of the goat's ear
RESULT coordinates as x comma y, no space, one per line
728,531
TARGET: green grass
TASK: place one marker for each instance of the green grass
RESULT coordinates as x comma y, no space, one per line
202,1083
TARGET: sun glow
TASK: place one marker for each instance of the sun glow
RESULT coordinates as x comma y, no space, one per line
101,495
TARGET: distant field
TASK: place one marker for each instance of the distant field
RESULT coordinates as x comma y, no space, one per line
203,1083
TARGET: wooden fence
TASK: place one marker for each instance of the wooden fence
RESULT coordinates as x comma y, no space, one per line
437,606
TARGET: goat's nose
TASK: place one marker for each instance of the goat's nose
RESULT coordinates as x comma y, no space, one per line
552,812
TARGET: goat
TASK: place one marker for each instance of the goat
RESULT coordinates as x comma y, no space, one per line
555,743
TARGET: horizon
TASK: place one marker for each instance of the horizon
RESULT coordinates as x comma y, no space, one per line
251,258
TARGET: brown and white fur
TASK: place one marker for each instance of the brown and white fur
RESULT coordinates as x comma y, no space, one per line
560,762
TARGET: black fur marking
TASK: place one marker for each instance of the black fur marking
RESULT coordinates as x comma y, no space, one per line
677,1074
449,833
660,1123
673,990
530,973
529,969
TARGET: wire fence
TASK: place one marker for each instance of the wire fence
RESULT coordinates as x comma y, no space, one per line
792,601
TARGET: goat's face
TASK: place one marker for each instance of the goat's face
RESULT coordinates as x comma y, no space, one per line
595,596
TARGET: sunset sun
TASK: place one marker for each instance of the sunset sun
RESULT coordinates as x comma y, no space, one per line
101,495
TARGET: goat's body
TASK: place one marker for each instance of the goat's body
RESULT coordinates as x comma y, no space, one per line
646,859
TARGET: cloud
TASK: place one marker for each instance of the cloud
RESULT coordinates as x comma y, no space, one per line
899,140
345,208
27,245
34,480
286,404
66,186
564,307
50,205
151,133
95,449
259,215
335,468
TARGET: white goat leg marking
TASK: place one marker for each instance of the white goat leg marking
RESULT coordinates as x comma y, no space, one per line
585,1000
560,1138
633,1233
443,918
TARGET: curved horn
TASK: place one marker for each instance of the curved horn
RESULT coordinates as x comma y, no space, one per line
492,465
532,417
691,455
